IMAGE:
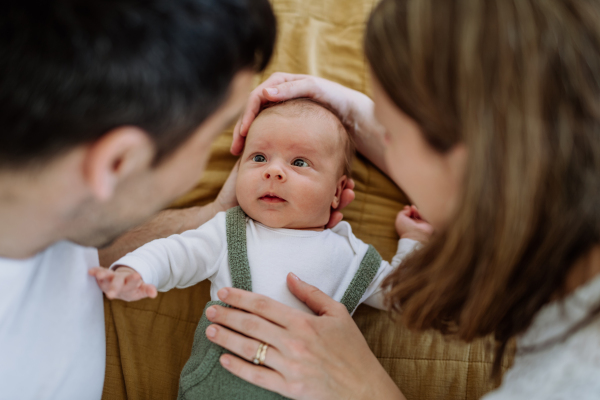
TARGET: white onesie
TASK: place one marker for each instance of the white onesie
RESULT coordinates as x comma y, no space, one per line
327,259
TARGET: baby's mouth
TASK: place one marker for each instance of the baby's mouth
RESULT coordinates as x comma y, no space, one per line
271,198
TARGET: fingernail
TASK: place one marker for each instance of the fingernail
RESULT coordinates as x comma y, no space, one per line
211,332
225,361
211,312
272,91
223,293
294,276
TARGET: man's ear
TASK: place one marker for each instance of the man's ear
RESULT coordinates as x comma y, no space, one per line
339,188
115,156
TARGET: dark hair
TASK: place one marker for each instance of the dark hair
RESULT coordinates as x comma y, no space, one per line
517,82
71,70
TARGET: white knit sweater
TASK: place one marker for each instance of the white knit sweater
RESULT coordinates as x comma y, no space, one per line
566,370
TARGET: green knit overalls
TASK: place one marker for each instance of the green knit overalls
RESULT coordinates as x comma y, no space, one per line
203,377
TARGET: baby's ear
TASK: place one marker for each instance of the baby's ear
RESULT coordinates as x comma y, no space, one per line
339,188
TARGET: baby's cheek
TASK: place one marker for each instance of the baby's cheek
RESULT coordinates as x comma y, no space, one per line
317,202
243,189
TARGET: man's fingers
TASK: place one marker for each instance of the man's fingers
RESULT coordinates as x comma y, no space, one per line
346,198
335,218
237,144
350,184
316,300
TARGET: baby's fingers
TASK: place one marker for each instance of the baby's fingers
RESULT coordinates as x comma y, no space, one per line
131,282
149,290
116,287
103,277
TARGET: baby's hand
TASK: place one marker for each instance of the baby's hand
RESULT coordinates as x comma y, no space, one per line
123,283
410,225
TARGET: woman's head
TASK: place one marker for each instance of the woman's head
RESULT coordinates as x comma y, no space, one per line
504,94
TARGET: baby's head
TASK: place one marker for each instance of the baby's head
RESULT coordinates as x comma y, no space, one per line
295,165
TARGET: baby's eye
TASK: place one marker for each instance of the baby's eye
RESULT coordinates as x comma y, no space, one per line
300,163
259,158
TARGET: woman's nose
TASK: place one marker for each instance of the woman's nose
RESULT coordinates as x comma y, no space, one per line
274,171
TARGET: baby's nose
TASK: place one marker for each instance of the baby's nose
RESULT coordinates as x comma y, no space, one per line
274,173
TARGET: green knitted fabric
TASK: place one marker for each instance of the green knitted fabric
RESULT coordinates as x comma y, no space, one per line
237,253
203,377
364,276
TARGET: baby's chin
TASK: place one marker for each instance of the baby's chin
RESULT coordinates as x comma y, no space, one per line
282,220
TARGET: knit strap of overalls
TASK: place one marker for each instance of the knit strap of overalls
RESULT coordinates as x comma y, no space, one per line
237,251
239,266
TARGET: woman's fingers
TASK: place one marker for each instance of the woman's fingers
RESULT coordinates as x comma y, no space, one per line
258,304
316,300
248,324
243,346
269,90
259,376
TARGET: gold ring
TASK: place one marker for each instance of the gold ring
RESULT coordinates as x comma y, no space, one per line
261,354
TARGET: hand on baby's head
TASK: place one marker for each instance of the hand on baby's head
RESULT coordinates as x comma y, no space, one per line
410,225
293,169
123,283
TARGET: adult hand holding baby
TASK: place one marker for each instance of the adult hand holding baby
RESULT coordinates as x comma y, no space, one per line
308,355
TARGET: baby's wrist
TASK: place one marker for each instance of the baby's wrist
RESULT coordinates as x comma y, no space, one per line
418,236
122,269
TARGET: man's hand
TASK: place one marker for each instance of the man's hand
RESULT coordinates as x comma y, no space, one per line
410,225
123,283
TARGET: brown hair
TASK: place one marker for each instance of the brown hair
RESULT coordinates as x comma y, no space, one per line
518,82
304,106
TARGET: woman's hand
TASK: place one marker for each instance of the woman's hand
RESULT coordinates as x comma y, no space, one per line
321,356
354,109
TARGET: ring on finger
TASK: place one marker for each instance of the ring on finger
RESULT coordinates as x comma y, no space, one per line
261,354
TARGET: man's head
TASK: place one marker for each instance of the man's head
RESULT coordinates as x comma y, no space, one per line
119,94
295,165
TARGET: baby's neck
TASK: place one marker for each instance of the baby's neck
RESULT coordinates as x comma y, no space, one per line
316,229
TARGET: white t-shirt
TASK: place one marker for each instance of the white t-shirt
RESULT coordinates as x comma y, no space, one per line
328,260
52,340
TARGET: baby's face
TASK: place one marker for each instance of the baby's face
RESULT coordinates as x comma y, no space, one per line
291,171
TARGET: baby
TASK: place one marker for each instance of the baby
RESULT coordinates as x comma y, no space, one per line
292,173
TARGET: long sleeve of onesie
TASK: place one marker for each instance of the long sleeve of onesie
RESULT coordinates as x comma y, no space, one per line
181,260
374,295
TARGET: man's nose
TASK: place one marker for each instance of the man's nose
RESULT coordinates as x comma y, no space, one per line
274,171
